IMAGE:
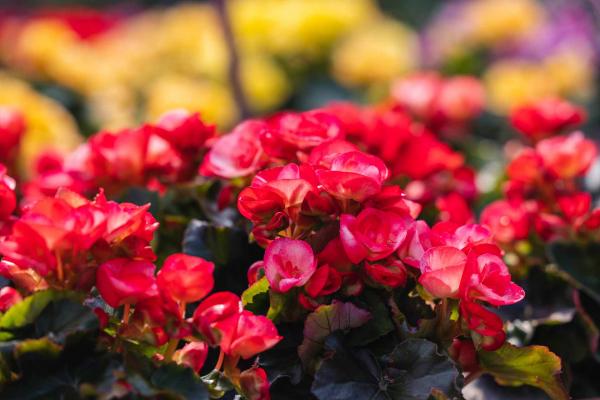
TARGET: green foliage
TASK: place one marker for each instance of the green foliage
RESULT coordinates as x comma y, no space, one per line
409,372
533,365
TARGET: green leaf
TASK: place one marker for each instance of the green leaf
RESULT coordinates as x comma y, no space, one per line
532,365
179,382
325,320
62,318
25,312
379,325
282,360
581,263
412,371
256,297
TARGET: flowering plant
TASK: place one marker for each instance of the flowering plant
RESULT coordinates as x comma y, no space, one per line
283,258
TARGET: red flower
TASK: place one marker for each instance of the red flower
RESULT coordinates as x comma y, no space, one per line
253,334
288,263
526,167
567,156
290,132
464,353
185,278
353,175
485,324
461,98
453,207
8,298
575,205
508,222
123,281
323,154
185,130
325,281
416,243
255,384
487,278
373,234
418,92
393,275
236,154
546,117
441,271
12,127
216,317
192,355
8,199
462,237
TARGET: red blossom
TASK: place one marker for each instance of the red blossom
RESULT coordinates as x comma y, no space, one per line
8,298
353,175
237,154
484,323
8,199
255,384
123,281
326,280
567,157
507,221
216,317
253,334
487,278
192,355
185,278
546,117
390,275
373,234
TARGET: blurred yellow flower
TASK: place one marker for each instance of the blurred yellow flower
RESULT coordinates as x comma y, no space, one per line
376,53
494,21
49,125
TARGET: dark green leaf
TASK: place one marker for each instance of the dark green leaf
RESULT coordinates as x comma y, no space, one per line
581,263
23,314
532,365
179,382
325,320
229,248
413,371
379,325
282,360
61,318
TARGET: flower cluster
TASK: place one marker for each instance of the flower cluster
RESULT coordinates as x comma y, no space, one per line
542,194
152,155
331,226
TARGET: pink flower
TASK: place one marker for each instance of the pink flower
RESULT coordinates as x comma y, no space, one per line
185,278
441,271
236,154
192,355
373,234
567,156
353,175
508,222
8,298
253,334
123,281
289,263
487,278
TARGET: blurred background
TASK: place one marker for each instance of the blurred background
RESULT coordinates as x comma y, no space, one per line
75,67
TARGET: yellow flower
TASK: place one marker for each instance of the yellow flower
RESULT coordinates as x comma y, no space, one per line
296,27
49,125
211,99
513,82
375,54
572,70
494,21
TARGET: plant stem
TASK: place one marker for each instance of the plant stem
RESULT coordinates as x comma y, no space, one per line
59,268
126,312
219,363
234,60
171,347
